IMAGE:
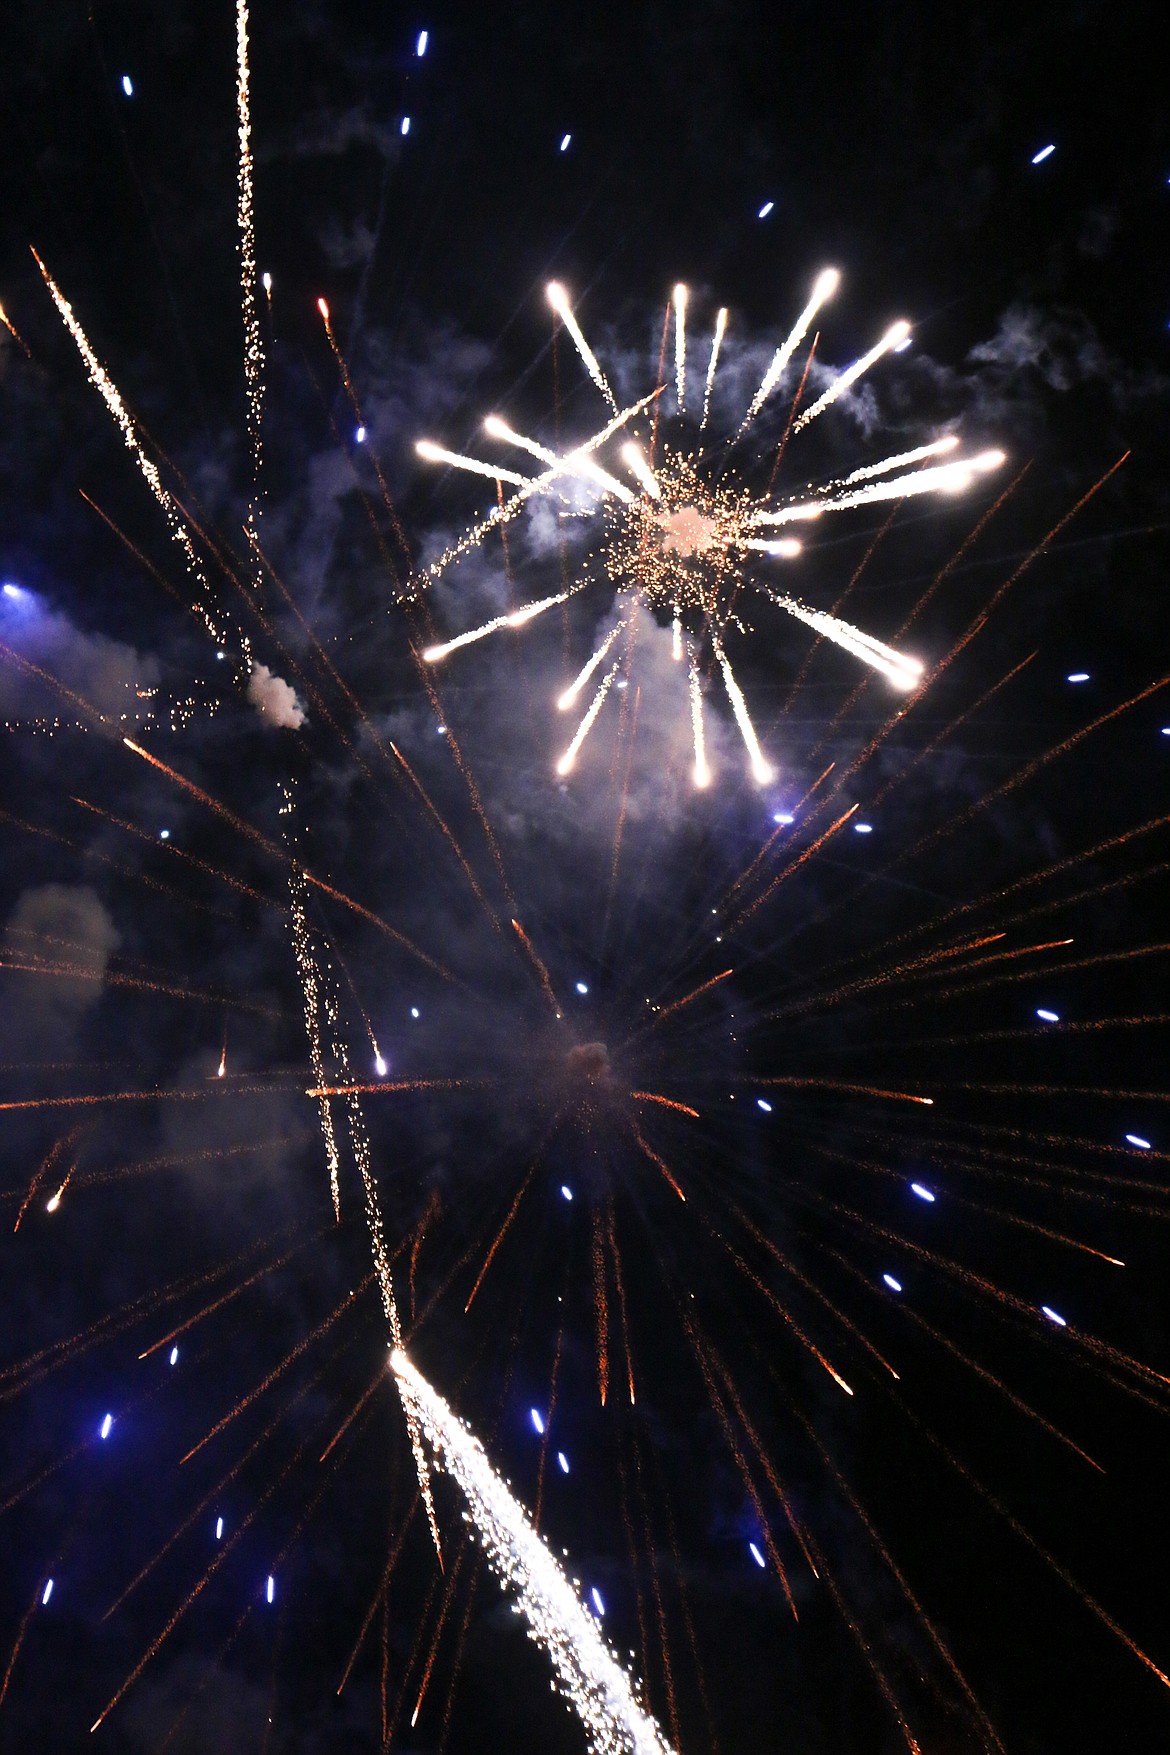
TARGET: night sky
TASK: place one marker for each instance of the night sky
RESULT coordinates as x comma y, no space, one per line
874,1469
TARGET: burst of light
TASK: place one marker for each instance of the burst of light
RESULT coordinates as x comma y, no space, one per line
1045,152
54,1201
1053,1316
565,139
863,828
1076,676
380,1066
586,1670
537,1419
405,128
562,1462
922,1193
1135,1139
360,436
763,1103
127,85
566,1191
271,1591
756,1555
892,1283
1048,1017
582,988
174,1355
219,1529
107,1423
765,210
420,47
47,1592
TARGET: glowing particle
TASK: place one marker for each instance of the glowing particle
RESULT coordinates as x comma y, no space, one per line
1048,1017
537,1419
15,592
405,128
762,1103
892,1283
1044,152
863,828
597,1602
754,1551
780,816
271,1591
420,47
565,139
1165,728
360,436
107,1423
582,988
901,346
380,1066
922,1193
164,834
566,1191
1053,1316
127,85
219,1529
414,1011
1076,676
765,210
562,1462
221,655
47,1592
174,1355
266,282
1135,1139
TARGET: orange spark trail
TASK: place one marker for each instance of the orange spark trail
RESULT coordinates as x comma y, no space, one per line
343,368
666,1102
795,1084
477,803
687,998
962,549
785,1314
16,336
213,1090
611,1232
661,1162
218,1303
796,864
921,964
541,971
503,1230
84,707
548,1417
600,1309
396,1085
444,1611
37,1592
173,852
116,978
380,1593
64,1143
446,832
835,610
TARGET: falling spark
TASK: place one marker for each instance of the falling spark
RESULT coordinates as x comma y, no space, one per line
716,344
1048,1017
577,462
420,47
565,139
892,1283
107,1424
679,300
922,1193
1044,152
893,335
271,1590
904,673
565,765
824,287
253,341
634,460
562,1462
537,1421
515,619
765,210
128,87
565,701
762,771
950,477
586,1670
558,298
702,773
433,453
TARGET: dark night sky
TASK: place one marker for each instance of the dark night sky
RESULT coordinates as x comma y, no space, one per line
894,142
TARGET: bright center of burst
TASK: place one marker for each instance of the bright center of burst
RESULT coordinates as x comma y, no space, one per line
683,547
689,532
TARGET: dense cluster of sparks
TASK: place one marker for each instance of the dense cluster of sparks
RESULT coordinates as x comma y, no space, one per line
689,536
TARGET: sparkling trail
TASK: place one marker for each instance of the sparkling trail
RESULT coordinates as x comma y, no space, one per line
433,453
679,300
762,771
666,1102
565,765
904,673
253,342
542,973
903,459
661,1163
716,344
565,701
572,463
515,618
559,300
824,287
702,773
894,334
944,478
586,1670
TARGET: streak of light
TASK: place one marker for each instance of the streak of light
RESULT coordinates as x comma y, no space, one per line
446,831
904,458
127,85
174,1356
716,344
679,301
404,126
902,672
537,1419
805,1084
765,210
824,287
106,1426
660,1162
566,762
1048,1017
515,618
566,1191
756,1555
562,1462
47,1592
558,298
586,1670
572,463
537,963
666,1102
944,478
433,453
271,1590
420,47
785,547
892,1283
1044,152
11,590
922,1192
1053,1316
1135,1139
565,701
702,773
1078,676
189,1322
253,341
787,871
703,987
893,335
635,461
762,771
55,1152
598,1601
565,139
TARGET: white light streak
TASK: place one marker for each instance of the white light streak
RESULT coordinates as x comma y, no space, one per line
219,1529
754,1551
679,300
558,298
271,1590
420,47
514,619
565,701
765,210
863,828
1045,152
566,1191
824,287
892,1283
1048,1017
537,1419
562,1462
380,1066
598,1603
47,1592
904,459
850,375
405,127
253,341
716,344
635,461
174,1355
473,465
1077,676
582,988
922,1193
564,766
941,479
573,462
904,673
565,139
762,771
107,1426
702,773
586,1671
785,547
127,85
1053,1316
1135,1139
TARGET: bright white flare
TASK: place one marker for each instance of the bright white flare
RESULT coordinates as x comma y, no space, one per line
438,454
564,766
716,344
587,1673
515,619
824,287
574,462
943,478
702,771
894,334
638,467
904,673
904,459
762,771
565,701
785,546
680,345
558,298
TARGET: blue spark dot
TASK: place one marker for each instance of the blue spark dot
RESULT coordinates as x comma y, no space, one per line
414,1011
1048,1017
863,828
221,655
405,129
1135,1139
1044,152
754,1551
581,988
47,1592
1077,676
892,1283
537,1419
1165,728
780,816
763,1103
597,1602
16,592
219,1529
174,1355
565,139
566,1191
360,436
562,1462
901,346
921,1192
271,1592
1053,1316
164,834
107,1423
765,210
441,730
420,48
127,85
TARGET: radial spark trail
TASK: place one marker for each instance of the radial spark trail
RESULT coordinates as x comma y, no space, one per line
824,287
516,619
565,701
716,344
679,300
253,343
894,334
565,764
558,298
762,771
702,771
